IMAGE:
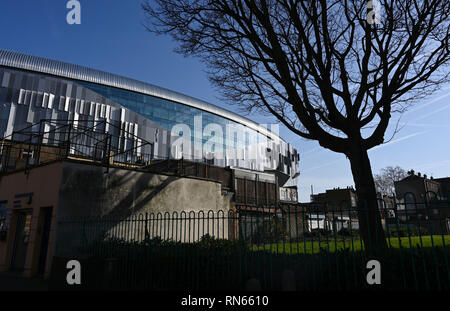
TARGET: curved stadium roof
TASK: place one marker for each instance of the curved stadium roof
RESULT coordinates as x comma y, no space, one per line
76,72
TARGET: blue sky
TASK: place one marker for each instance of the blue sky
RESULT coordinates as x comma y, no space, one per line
111,38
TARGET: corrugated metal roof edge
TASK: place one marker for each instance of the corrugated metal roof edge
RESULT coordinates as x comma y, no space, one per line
76,72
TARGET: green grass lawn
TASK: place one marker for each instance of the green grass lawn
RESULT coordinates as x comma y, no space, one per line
312,247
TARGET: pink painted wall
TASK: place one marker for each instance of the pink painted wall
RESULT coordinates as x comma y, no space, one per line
44,182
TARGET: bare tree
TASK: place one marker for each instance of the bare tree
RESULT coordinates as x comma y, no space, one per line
326,69
384,182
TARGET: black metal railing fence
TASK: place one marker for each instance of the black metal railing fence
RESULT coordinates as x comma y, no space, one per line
311,247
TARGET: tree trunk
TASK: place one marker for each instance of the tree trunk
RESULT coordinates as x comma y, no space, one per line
370,226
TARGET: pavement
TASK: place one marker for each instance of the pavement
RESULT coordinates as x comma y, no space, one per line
13,281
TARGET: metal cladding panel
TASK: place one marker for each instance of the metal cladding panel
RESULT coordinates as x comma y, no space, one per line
76,72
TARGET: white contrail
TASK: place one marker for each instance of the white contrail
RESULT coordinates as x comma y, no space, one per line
308,152
374,148
427,114
322,165
431,113
431,101
399,140
428,125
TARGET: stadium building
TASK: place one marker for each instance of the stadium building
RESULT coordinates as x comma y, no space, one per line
171,124
78,142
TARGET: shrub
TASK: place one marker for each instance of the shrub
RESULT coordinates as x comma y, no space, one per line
212,263
411,231
270,232
348,232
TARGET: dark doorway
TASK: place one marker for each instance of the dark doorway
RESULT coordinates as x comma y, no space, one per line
45,238
23,230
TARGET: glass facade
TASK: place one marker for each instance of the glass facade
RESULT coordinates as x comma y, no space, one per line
168,113
34,88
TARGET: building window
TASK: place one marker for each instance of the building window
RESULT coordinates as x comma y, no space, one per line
2,214
5,215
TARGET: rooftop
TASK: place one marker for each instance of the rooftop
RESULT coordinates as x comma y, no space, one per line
27,62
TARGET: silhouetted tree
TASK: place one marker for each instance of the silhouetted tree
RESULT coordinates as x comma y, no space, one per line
330,71
384,182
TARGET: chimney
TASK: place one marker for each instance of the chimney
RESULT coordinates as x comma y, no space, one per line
418,174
